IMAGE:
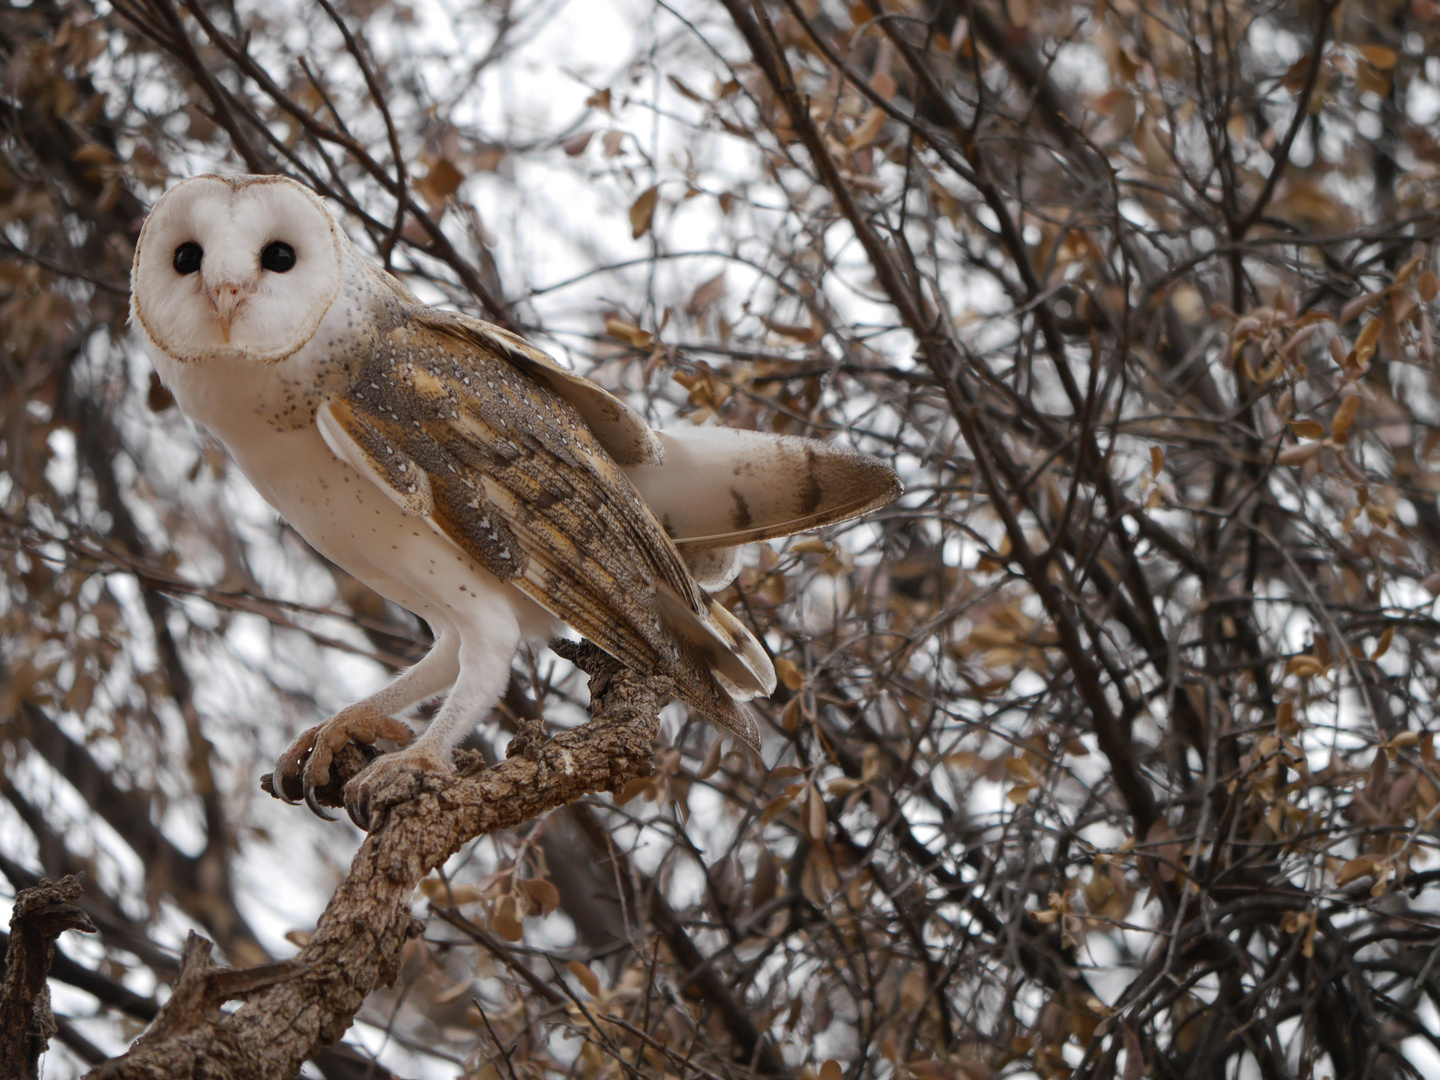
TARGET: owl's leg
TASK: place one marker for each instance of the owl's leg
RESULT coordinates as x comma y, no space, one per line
305,764
487,645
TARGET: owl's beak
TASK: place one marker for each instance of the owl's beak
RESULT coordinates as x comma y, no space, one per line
226,298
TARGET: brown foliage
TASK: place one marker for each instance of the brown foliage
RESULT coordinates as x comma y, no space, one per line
1108,752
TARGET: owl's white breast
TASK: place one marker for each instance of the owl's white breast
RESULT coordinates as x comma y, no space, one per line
355,525
264,414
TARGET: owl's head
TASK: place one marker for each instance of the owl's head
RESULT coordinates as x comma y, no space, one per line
235,266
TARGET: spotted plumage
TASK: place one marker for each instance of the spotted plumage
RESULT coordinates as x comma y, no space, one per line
461,472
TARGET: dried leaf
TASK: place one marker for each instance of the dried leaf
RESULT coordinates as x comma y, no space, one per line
815,821
1134,1054
1365,343
1344,419
1298,455
790,715
460,895
442,181
588,978
1379,56
866,131
507,926
1285,721
1357,305
1383,646
631,789
1307,203
642,212
711,764
803,334
706,295
629,333
92,154
545,895
575,145
1354,870
685,91
1371,80
1427,285
1163,840
789,674
1020,769
775,807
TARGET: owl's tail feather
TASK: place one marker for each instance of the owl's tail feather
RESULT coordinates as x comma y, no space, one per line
722,643
703,693
721,663
722,487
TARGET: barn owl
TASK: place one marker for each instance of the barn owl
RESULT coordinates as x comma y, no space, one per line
462,473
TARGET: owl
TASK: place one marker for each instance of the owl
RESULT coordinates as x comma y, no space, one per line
462,473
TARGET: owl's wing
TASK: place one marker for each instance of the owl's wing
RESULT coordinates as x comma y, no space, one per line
773,485
622,431
508,469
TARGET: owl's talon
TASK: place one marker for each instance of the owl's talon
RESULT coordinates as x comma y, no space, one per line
315,807
390,779
303,771
363,824
289,768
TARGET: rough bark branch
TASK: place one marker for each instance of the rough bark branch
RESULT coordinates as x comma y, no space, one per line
41,915
425,819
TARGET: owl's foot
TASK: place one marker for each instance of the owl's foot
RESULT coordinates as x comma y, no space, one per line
392,778
304,767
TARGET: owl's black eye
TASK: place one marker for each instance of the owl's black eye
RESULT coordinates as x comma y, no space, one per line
279,257
187,257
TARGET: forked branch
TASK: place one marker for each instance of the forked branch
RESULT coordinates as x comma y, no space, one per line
428,818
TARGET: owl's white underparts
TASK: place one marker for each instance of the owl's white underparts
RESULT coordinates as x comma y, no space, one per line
462,473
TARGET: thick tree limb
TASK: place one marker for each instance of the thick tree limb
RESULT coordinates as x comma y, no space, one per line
41,915
356,947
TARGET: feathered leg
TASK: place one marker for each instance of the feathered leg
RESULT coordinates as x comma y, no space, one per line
484,669
305,764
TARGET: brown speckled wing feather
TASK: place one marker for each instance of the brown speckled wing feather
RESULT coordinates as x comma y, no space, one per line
512,473
620,429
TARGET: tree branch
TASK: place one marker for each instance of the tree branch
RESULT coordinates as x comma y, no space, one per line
41,915
424,820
